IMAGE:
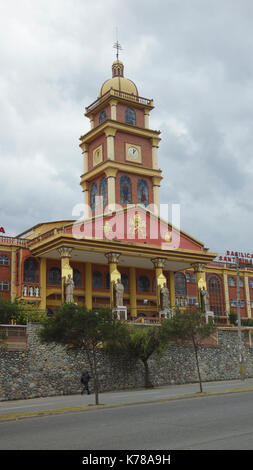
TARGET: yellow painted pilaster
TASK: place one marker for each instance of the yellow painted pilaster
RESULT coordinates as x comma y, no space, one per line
146,118
155,143
132,285
91,122
43,283
85,157
172,289
111,183
156,193
88,286
110,134
13,274
113,105
87,209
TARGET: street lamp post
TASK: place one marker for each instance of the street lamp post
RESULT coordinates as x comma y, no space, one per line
239,329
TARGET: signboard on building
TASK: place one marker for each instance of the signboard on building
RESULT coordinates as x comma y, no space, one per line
231,257
2,230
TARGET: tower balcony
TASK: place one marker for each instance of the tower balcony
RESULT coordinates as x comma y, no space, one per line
121,96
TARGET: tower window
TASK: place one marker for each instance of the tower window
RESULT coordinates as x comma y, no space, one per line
102,116
142,191
130,116
93,194
103,190
125,190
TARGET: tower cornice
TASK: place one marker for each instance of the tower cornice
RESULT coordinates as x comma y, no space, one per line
125,167
120,126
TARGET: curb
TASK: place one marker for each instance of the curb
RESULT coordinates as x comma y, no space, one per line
31,414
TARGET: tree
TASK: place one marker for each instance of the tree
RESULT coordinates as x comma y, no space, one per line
83,330
8,311
188,326
140,343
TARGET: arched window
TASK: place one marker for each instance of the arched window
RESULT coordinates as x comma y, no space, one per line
194,277
93,194
77,278
54,277
102,116
231,282
124,280
130,116
143,284
97,280
4,260
215,295
125,190
180,284
142,192
31,270
103,190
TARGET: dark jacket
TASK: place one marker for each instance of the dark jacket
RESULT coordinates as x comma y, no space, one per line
85,378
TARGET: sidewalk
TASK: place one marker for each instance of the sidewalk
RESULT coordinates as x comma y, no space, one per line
69,403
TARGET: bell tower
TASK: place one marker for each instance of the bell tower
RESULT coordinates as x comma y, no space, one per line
120,161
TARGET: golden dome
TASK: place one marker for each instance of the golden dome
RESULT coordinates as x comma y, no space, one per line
118,81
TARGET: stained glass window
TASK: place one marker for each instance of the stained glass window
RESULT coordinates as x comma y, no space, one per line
142,192
103,190
93,194
125,190
102,116
130,116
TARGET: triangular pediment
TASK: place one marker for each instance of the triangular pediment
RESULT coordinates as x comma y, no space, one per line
135,225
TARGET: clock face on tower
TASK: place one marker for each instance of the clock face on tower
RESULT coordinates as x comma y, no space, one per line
133,153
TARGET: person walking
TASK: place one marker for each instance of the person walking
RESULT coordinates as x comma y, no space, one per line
85,381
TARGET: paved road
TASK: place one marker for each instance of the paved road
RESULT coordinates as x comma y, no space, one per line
121,397
220,421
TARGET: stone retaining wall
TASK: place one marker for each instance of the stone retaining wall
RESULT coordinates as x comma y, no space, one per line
44,370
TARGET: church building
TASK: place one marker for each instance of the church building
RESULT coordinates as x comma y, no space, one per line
120,234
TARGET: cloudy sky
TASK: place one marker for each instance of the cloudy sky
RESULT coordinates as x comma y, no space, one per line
193,57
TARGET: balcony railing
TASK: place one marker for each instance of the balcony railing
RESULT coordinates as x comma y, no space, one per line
119,94
13,241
